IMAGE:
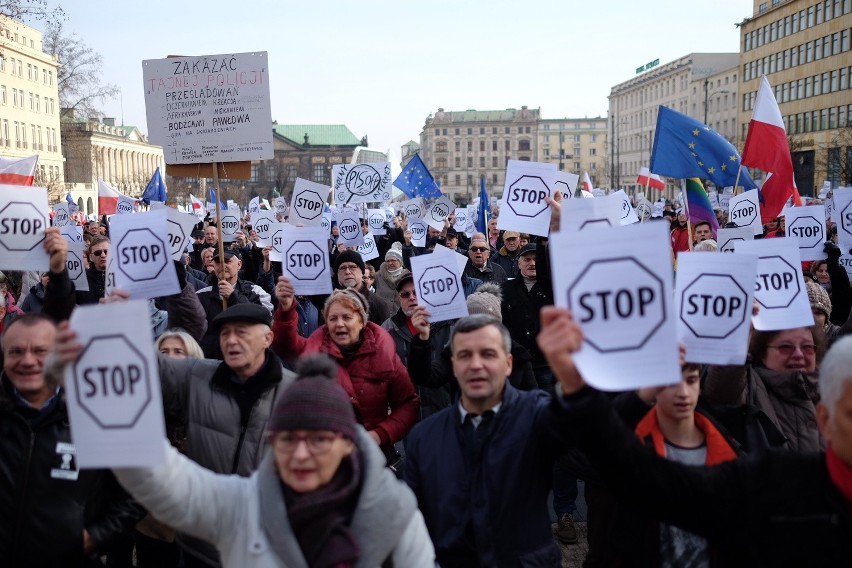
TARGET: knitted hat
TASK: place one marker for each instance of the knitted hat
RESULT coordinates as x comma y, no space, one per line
819,298
361,303
314,401
486,300
349,256
395,252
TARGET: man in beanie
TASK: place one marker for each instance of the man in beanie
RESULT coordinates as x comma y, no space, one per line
349,273
321,497
507,256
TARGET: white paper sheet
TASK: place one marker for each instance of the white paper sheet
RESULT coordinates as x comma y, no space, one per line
806,225
726,239
745,211
142,255
349,225
113,389
523,208
305,258
438,285
180,230
713,299
309,199
23,219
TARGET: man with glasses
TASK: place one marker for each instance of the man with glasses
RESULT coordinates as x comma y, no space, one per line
478,265
96,274
507,256
403,330
349,273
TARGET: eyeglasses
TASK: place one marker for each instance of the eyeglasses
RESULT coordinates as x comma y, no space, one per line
101,252
317,442
478,249
396,260
348,268
407,294
788,349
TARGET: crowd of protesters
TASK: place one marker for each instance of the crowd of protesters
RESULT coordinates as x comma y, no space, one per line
347,430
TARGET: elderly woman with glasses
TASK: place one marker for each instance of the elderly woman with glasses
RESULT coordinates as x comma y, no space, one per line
320,498
780,379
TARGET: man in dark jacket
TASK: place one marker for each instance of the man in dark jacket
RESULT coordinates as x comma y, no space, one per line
51,512
507,256
478,265
96,274
349,273
481,469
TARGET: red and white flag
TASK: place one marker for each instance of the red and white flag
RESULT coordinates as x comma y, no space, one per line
18,171
649,179
766,148
107,198
198,208
586,184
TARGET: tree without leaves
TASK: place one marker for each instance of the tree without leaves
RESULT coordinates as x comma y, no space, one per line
79,74
28,10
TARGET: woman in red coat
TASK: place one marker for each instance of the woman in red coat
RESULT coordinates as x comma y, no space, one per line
371,372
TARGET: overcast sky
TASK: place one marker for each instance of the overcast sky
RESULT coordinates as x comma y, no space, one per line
381,67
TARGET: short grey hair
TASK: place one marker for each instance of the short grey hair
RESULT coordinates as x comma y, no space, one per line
472,323
835,372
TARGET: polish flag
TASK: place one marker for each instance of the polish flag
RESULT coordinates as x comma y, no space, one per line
649,179
766,148
587,183
18,172
107,198
197,206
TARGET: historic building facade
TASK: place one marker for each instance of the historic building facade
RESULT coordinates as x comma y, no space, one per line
576,145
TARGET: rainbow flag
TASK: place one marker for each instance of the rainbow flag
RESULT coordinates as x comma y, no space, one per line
698,204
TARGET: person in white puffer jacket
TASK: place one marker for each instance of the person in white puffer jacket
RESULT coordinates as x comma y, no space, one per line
321,497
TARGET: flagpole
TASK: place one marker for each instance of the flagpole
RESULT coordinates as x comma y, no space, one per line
221,244
686,208
737,181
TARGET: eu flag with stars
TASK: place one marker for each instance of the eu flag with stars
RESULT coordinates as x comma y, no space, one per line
155,190
416,181
686,148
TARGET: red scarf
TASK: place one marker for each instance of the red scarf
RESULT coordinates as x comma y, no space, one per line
840,473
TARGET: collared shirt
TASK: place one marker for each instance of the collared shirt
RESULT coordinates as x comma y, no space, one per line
25,403
477,418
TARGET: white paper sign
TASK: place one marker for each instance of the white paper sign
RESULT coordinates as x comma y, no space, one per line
726,239
280,206
460,221
713,298
113,389
125,205
419,230
579,214
439,212
230,223
439,287
305,258
368,250
412,207
263,222
714,199
377,218
211,108
626,214
76,267
806,225
361,183
461,260
524,208
745,211
309,200
180,230
566,182
142,255
846,262
842,215
779,285
725,201
72,233
325,222
618,284
61,217
23,219
349,225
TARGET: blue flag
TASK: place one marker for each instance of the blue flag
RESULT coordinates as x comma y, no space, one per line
213,199
72,206
484,207
685,148
415,180
155,190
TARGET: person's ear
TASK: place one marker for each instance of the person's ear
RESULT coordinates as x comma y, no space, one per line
822,418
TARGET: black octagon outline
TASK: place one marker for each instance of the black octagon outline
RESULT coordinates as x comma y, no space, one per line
543,204
123,202
744,306
359,247
145,375
312,243
370,217
165,260
425,229
223,229
413,206
730,240
753,215
435,207
843,214
820,225
67,217
340,227
40,216
795,279
182,234
455,280
565,194
585,272
594,222
79,260
319,200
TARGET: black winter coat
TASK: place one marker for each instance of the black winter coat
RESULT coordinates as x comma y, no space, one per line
520,310
212,304
45,500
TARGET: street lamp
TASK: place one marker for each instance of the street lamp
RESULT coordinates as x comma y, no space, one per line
707,95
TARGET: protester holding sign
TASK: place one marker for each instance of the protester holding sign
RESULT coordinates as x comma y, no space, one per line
479,266
321,497
371,373
96,274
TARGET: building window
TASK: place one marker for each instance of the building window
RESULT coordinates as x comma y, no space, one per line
470,162
291,175
523,145
458,132
458,180
470,131
470,145
437,132
458,162
3,94
482,161
577,138
444,131
494,130
441,146
482,130
458,146
494,161
508,130
441,163
508,145
320,173
255,171
482,145
593,151
493,145
576,166
527,129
